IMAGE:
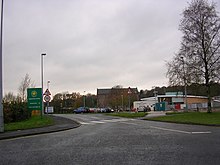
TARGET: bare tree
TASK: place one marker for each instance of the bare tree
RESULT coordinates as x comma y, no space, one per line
9,97
24,85
200,47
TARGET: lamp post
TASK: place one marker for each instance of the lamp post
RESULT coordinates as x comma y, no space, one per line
42,81
84,100
184,77
1,86
122,102
129,97
48,83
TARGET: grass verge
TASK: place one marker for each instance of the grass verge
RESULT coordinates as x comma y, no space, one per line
33,122
128,114
191,118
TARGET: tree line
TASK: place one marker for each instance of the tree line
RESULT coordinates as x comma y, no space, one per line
66,102
192,89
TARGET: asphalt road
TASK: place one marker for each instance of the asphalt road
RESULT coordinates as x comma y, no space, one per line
109,140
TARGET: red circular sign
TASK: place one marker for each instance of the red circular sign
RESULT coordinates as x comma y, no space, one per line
47,98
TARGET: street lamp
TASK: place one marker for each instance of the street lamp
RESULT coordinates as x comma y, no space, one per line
129,97
48,83
184,74
42,81
155,97
122,102
84,100
1,86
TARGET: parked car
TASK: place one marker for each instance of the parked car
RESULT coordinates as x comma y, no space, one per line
102,110
98,110
109,110
106,110
92,110
81,110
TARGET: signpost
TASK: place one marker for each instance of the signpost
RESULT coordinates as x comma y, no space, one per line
47,98
49,110
34,96
47,92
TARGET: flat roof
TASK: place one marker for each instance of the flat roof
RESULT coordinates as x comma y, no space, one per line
175,96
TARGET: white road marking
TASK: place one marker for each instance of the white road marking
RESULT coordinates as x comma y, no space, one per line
171,130
97,122
105,121
125,121
207,132
180,131
110,121
84,123
129,123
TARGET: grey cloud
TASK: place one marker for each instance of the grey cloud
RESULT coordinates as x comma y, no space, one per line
90,43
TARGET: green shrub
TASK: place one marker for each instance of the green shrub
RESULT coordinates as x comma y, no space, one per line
16,111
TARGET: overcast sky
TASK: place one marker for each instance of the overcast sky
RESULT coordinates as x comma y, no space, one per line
90,44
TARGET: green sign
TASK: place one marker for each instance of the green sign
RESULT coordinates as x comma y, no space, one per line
34,96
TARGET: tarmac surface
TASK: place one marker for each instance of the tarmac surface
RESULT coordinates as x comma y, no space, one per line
61,124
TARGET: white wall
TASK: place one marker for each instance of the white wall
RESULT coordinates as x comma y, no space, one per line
141,104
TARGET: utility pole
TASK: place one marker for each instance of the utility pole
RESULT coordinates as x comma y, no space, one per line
42,82
186,108
122,102
129,98
84,99
1,86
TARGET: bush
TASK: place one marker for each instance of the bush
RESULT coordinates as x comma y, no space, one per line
15,111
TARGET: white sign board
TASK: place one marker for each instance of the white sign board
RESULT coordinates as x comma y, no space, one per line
49,110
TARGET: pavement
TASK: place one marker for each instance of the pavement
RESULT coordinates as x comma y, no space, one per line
155,114
61,124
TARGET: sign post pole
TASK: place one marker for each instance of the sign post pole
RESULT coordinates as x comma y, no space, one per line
47,97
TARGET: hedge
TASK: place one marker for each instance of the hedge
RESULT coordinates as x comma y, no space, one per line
15,111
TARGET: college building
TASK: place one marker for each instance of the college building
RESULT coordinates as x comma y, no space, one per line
171,101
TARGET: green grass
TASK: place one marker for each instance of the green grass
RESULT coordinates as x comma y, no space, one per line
191,118
128,114
33,122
